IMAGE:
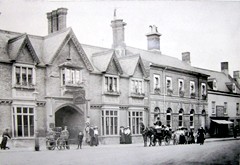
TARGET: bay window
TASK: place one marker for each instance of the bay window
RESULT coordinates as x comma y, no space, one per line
71,76
134,118
23,121
109,122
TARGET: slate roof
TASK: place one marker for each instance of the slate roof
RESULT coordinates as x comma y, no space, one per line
52,44
43,49
157,58
102,60
129,64
222,79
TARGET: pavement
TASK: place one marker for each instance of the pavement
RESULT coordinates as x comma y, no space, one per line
73,147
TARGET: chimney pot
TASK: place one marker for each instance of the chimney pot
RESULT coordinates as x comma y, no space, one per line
153,38
224,67
236,76
57,20
186,57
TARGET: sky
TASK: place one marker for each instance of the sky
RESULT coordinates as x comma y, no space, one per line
209,30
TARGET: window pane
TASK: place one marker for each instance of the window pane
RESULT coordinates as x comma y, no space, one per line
30,110
31,120
25,110
116,125
19,110
19,123
25,120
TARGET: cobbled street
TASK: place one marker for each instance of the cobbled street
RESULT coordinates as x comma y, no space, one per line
214,152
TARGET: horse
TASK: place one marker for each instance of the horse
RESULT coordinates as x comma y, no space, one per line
147,132
152,133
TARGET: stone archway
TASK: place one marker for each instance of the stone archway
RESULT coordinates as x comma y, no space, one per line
72,117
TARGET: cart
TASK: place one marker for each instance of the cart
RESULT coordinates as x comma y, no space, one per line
54,139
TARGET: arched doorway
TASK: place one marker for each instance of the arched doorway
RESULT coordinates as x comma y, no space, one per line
72,117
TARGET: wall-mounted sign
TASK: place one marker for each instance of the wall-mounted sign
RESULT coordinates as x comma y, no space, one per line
219,111
79,97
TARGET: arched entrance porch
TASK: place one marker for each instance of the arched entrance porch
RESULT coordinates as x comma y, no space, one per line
71,116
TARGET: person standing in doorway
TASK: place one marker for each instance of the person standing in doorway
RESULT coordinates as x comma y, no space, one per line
80,139
5,137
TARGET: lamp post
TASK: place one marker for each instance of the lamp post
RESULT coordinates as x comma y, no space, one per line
37,146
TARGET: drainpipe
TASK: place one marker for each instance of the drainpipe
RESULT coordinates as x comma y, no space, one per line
164,88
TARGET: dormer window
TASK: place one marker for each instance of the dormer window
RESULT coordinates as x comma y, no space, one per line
71,76
234,90
214,84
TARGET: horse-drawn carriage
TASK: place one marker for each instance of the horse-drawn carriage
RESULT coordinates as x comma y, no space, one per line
160,134
56,139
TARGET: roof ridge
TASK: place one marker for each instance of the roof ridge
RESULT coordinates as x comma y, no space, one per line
57,32
102,53
208,70
11,40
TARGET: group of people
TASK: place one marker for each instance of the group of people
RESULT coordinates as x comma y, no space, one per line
185,136
125,135
92,135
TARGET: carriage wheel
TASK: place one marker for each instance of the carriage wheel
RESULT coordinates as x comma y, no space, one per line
167,140
60,144
49,145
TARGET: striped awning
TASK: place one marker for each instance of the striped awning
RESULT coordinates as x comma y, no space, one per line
222,121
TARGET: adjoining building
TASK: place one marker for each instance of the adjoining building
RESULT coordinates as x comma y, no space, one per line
223,101
54,81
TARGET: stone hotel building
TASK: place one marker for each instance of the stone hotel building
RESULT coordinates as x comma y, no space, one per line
55,81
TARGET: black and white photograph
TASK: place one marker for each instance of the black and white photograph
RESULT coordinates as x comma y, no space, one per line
119,82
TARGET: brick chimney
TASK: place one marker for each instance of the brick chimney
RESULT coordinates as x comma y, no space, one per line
186,57
118,35
224,67
236,76
153,38
57,20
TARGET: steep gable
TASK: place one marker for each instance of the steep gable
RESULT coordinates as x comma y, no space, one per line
138,72
25,56
59,46
133,66
114,65
107,62
20,49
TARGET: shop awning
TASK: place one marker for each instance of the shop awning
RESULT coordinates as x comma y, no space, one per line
222,121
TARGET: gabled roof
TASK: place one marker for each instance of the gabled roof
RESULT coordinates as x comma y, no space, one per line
130,64
102,60
223,80
54,43
16,44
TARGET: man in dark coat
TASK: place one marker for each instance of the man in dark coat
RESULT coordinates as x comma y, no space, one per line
5,137
80,139
201,135
91,134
